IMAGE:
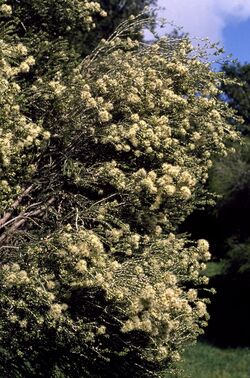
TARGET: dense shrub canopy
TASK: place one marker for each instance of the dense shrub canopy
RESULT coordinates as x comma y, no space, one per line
100,162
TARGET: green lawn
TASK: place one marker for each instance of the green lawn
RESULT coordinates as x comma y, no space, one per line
206,361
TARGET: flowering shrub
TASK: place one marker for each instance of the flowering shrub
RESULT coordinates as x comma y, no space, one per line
119,148
18,132
144,295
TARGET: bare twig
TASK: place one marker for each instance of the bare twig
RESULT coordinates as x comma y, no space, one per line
8,246
22,218
77,217
23,214
103,199
7,215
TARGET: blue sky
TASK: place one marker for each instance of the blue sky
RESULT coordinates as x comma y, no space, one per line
227,21
236,37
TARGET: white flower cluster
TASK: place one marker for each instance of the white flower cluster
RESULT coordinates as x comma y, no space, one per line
18,132
6,10
163,188
148,289
142,105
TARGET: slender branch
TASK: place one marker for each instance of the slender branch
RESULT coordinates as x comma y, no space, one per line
103,199
77,217
22,218
8,246
20,215
12,220
7,215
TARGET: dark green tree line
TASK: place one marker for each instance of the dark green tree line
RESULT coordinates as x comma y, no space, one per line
227,226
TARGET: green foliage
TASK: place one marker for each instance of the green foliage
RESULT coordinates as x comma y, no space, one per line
227,225
238,92
238,260
101,161
206,361
230,176
215,268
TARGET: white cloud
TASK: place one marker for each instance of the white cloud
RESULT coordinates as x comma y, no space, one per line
204,18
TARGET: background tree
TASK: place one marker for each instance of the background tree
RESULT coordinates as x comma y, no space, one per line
227,225
233,184
101,161
238,94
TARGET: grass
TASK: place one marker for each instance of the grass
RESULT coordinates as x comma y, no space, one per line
206,361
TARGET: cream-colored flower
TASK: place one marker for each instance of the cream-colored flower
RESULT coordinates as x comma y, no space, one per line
30,60
185,192
46,135
24,67
169,190
101,330
6,9
133,98
81,266
104,116
56,310
203,245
